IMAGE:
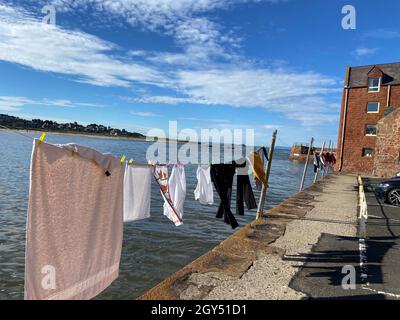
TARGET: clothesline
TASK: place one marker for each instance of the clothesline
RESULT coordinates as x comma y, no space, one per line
131,161
257,164
17,132
76,214
67,193
257,169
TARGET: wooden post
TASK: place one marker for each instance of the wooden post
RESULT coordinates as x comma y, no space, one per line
264,189
306,164
316,174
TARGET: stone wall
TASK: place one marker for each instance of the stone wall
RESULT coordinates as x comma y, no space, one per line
387,155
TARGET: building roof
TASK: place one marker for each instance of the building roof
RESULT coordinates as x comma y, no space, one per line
359,75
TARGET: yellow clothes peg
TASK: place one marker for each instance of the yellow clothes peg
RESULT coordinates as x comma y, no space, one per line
131,162
123,158
42,137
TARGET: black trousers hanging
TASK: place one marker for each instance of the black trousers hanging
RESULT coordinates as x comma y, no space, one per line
244,193
222,178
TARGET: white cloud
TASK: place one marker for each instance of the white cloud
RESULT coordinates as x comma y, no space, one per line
383,34
252,87
166,100
143,114
28,42
187,21
205,119
276,90
363,51
272,126
13,104
184,19
299,96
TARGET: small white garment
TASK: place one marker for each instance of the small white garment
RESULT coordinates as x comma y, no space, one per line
177,194
321,159
204,190
137,192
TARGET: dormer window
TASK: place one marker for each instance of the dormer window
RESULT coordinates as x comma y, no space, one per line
374,84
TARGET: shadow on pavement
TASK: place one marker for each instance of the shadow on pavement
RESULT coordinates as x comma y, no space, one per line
321,275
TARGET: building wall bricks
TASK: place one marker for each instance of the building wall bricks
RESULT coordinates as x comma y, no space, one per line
387,158
355,139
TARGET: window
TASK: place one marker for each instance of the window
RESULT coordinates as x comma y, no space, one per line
367,152
373,107
370,130
374,84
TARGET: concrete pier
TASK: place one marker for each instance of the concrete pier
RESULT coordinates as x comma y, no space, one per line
263,259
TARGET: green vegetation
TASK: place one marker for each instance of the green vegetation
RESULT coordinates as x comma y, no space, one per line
73,127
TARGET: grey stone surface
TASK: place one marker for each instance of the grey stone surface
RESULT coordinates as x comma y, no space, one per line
270,276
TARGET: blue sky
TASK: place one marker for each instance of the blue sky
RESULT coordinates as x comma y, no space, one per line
136,64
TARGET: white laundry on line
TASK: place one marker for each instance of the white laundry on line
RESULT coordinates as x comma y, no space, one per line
177,191
204,189
137,192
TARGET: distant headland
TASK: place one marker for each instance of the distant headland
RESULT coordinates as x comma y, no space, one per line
16,123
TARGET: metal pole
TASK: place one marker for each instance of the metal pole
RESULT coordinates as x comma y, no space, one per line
306,165
267,173
343,131
326,169
316,174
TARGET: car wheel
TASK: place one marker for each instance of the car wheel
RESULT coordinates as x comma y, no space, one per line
394,197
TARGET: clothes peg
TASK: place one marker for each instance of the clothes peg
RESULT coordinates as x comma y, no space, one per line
123,158
42,137
74,152
131,162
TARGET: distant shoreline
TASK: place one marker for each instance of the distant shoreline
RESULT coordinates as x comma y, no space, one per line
95,135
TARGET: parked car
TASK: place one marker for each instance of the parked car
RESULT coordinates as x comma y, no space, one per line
389,190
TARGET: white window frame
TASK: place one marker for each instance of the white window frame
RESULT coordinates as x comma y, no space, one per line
365,156
379,85
369,134
379,107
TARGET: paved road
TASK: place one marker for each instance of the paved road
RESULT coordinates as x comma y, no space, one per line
321,276
383,244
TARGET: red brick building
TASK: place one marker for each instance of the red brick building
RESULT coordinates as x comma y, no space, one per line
370,93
